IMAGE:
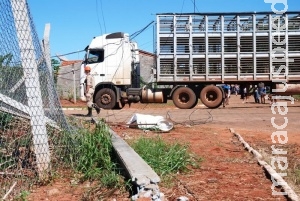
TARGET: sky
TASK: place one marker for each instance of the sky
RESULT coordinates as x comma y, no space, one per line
75,22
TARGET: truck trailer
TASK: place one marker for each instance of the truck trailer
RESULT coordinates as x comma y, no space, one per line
195,54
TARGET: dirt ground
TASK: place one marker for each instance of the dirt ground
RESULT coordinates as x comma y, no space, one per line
228,171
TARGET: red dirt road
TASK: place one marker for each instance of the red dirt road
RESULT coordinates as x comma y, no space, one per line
228,171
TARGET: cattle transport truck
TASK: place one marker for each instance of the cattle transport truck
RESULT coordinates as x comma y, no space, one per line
195,54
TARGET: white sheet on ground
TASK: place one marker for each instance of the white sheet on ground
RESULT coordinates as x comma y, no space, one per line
144,121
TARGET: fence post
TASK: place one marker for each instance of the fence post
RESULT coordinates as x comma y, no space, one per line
32,83
74,83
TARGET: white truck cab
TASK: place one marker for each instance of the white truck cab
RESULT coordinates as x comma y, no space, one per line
111,58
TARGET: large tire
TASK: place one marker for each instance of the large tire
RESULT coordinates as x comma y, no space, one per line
184,98
211,96
106,98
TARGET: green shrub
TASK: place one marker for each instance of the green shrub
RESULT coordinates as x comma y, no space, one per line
92,156
165,158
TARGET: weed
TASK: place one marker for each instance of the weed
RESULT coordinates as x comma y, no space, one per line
70,94
164,158
92,156
22,196
297,176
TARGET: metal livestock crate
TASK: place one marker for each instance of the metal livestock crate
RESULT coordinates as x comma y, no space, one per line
220,47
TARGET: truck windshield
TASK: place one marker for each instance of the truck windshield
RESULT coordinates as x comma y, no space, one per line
95,56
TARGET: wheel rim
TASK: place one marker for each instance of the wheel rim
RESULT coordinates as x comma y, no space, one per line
184,98
211,96
106,99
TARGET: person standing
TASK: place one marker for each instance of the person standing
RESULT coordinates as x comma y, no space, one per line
226,89
256,94
89,91
244,94
262,92
236,89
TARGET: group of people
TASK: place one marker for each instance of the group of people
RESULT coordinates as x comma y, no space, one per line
259,93
228,90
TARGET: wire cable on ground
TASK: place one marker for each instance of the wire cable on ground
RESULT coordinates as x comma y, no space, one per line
190,121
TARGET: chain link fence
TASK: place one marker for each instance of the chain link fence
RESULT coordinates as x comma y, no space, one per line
32,122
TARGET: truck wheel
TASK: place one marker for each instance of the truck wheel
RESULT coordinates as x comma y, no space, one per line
184,98
211,96
106,98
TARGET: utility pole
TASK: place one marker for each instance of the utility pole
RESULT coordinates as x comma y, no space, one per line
74,83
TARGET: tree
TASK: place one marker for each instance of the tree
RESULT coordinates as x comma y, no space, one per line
5,60
55,65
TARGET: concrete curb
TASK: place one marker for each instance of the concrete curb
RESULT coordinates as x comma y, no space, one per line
287,189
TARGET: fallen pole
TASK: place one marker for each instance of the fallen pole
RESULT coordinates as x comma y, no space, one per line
141,174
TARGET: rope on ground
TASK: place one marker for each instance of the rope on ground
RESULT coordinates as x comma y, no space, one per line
279,180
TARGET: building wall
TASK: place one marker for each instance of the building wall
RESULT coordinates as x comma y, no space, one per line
65,81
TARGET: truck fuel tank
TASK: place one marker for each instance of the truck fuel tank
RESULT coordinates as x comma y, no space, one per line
287,89
152,96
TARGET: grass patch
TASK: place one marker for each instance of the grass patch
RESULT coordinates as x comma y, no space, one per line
296,97
92,156
297,176
165,158
90,153
22,196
